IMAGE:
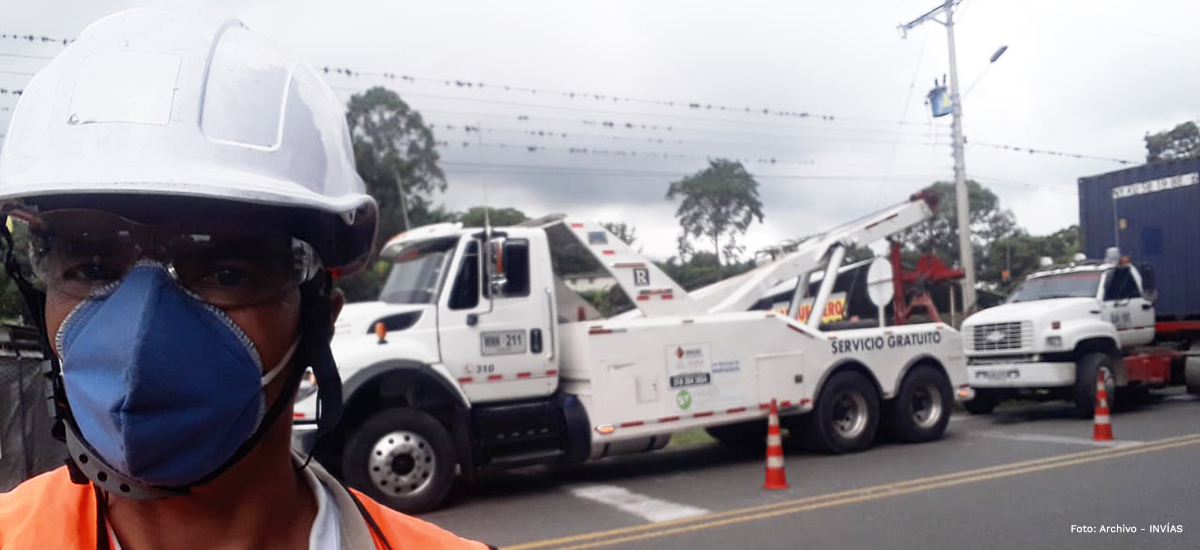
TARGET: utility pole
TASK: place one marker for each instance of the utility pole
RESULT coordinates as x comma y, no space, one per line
967,258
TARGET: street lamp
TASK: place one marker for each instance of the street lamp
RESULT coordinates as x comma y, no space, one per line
999,52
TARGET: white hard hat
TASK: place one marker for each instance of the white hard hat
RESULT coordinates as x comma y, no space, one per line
187,105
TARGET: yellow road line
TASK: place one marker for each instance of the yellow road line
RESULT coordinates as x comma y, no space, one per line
852,496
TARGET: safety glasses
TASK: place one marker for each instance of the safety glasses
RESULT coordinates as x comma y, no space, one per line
76,252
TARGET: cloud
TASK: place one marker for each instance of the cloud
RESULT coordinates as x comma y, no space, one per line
1089,78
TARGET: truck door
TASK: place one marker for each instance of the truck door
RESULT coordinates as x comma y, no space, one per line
1125,307
495,338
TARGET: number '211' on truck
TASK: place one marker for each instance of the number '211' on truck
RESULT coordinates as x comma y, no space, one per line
478,356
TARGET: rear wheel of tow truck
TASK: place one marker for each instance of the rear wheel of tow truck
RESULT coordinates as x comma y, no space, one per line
403,458
985,402
921,410
845,416
1086,371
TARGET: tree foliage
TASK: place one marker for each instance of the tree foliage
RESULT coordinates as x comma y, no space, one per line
1180,142
988,221
392,143
627,233
718,203
498,217
701,269
1020,255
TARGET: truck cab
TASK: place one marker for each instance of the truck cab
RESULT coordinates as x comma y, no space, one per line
1058,331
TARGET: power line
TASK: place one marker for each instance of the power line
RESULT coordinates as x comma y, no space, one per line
36,39
1033,151
474,85
592,111
656,139
1012,183
1116,25
19,73
25,56
537,169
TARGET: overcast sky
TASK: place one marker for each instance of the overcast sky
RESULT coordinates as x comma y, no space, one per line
1087,76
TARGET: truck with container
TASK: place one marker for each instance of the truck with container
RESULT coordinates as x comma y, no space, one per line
1131,313
478,357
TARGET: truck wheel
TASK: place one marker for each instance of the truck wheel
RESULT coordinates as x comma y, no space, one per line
749,436
921,410
402,458
1086,371
1191,374
984,402
845,416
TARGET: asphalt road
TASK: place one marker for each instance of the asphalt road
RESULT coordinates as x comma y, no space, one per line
1026,477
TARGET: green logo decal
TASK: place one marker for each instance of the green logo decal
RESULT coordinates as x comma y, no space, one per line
683,399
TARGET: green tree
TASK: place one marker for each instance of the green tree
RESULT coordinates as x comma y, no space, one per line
719,203
1180,142
627,233
396,156
988,221
499,217
1021,255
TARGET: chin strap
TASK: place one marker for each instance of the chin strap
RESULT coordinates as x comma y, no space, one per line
35,305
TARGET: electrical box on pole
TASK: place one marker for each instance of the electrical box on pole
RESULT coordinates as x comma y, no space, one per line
966,256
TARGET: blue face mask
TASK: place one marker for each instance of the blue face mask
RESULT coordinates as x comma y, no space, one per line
163,386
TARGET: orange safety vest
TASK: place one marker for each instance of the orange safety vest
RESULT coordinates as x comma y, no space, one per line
50,511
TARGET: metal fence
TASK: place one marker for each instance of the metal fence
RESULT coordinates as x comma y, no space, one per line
26,448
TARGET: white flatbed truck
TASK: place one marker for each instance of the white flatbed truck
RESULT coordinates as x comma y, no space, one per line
477,356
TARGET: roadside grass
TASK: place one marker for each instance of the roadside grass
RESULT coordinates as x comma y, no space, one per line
695,436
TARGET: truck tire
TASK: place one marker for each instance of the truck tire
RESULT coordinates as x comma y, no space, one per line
749,436
1191,374
403,458
1086,370
921,409
985,402
845,416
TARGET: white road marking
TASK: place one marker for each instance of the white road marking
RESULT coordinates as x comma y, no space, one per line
1056,439
648,508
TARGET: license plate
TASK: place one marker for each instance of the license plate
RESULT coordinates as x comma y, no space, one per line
998,374
502,342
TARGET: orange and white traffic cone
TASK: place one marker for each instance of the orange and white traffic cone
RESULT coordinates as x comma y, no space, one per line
776,478
1102,430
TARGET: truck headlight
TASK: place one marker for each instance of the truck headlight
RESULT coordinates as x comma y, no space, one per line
1054,341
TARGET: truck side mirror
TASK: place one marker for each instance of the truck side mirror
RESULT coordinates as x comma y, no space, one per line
495,266
1149,291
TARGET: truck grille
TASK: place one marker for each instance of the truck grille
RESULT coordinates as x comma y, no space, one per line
1002,336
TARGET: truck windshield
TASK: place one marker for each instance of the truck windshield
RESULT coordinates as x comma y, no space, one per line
417,273
1071,285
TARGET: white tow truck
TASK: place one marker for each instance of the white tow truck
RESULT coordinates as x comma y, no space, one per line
477,356
1067,323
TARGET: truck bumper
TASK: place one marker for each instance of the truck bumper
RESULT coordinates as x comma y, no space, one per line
1022,375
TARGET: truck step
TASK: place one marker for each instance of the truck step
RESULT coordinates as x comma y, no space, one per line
529,458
